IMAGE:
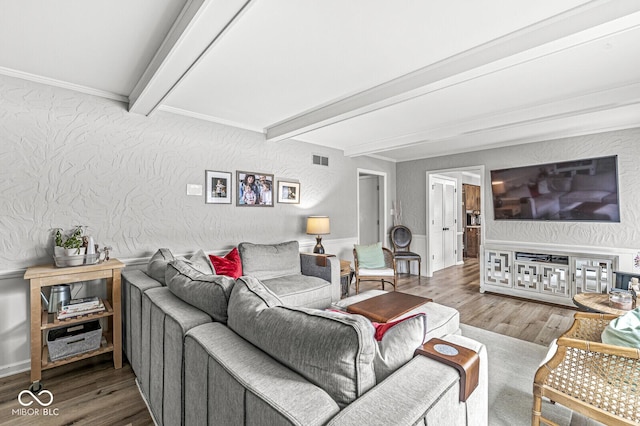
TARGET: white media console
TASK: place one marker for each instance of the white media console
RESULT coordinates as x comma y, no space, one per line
546,275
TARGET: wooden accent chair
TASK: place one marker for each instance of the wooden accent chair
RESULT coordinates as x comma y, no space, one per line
401,240
386,274
598,380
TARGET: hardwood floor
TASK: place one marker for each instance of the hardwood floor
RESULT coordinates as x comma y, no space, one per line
459,287
92,392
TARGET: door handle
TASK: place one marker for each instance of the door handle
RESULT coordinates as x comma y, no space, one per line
445,229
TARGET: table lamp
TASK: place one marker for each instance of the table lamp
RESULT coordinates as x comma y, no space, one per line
318,225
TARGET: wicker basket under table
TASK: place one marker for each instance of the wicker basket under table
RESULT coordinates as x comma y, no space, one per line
598,380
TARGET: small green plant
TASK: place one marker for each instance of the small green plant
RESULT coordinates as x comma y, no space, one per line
73,241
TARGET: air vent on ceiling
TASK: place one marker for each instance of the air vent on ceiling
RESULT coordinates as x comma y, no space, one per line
320,160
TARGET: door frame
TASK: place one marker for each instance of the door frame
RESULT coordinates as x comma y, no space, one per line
439,173
382,202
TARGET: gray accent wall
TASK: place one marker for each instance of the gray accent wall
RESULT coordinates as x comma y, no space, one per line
609,236
68,158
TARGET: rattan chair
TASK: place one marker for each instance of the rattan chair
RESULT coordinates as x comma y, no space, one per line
401,240
386,274
597,380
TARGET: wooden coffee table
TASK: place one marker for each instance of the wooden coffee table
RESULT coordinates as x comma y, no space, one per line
388,306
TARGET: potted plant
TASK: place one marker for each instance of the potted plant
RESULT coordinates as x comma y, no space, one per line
69,250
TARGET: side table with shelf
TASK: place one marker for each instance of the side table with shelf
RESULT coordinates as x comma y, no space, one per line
41,321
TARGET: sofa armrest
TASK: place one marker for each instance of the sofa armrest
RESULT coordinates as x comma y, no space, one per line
421,389
321,266
134,284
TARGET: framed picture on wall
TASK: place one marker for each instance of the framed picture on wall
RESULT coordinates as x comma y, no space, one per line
288,192
254,189
217,187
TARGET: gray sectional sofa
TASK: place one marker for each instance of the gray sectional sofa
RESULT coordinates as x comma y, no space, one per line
262,350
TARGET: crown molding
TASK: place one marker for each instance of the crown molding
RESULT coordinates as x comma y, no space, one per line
63,84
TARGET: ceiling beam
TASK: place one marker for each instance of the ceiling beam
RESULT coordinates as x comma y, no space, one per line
560,108
461,66
200,24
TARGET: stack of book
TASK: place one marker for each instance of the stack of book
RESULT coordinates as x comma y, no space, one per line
77,307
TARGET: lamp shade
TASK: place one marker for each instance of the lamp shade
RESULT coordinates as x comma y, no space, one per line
318,225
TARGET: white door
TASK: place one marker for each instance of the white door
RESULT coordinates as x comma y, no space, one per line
369,211
442,235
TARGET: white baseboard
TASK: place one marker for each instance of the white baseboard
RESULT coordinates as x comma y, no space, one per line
18,367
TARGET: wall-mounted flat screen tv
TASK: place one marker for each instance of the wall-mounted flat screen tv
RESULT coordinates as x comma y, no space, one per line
580,190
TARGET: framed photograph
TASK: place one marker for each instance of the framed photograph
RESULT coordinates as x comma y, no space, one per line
254,189
288,192
217,187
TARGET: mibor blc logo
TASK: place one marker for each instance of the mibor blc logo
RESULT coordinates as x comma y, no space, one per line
43,399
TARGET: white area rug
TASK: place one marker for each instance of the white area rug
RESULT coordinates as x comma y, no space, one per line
512,365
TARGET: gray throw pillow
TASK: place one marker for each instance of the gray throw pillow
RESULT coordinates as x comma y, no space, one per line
398,344
207,292
332,350
157,266
267,261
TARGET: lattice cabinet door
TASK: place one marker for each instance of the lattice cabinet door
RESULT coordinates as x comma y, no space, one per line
555,279
593,275
526,277
497,268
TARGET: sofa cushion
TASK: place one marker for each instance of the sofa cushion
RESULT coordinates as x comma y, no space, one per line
207,292
301,290
370,256
157,266
331,350
265,261
200,261
229,265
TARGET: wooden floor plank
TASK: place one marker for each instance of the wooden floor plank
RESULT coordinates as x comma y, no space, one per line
92,392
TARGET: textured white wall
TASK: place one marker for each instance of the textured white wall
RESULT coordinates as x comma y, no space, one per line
623,235
68,158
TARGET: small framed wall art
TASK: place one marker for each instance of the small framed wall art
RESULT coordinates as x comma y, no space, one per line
288,192
254,189
218,187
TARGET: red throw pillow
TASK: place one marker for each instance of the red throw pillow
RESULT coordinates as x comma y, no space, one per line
382,328
229,265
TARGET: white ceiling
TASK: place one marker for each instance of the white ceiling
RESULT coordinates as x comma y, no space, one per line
399,79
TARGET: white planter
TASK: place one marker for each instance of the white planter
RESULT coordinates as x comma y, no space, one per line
69,257
75,256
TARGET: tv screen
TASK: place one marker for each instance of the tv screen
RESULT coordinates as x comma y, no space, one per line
580,190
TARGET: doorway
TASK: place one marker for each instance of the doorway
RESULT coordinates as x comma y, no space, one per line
372,201
470,174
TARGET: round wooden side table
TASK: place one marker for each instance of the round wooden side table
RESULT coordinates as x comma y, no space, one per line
596,302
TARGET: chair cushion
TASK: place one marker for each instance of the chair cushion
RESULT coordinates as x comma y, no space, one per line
624,330
332,350
405,254
370,256
266,261
382,272
207,292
